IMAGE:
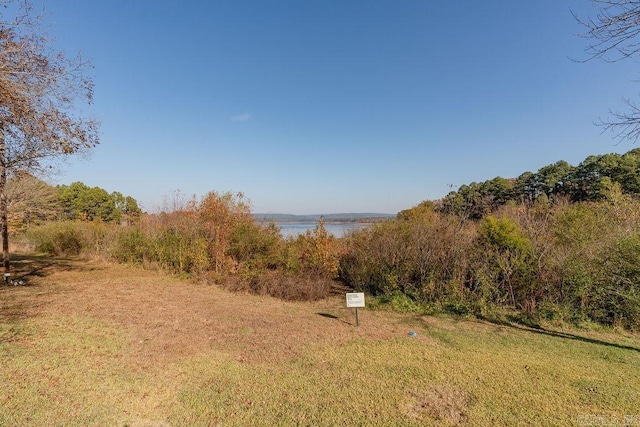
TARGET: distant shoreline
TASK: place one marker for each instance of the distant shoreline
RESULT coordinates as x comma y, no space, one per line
334,228
314,221
342,218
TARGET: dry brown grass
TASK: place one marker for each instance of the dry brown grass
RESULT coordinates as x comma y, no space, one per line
90,343
168,318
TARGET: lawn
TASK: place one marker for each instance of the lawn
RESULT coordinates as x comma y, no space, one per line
90,343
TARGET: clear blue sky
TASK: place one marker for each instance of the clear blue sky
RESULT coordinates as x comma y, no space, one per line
334,106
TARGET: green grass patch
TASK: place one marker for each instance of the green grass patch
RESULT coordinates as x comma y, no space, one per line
453,372
65,371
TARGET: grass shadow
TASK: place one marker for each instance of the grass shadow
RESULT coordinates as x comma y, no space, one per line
535,328
25,265
24,289
575,337
328,315
333,316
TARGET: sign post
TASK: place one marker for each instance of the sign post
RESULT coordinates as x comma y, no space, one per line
355,300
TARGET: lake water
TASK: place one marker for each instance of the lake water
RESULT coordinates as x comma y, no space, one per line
294,229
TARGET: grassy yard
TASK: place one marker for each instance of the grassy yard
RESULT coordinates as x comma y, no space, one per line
88,343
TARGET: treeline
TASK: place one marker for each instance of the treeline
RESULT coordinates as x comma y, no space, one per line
591,181
562,244
32,201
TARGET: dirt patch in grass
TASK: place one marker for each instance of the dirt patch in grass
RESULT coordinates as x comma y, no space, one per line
442,403
167,319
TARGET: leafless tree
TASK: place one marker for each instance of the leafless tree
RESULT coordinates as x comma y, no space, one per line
613,35
40,90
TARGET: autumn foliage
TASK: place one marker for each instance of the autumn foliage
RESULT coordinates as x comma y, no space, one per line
567,251
558,262
213,239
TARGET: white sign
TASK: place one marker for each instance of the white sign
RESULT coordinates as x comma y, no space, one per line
355,300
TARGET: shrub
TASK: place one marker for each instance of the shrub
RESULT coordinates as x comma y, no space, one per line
557,262
425,256
72,238
615,296
508,261
131,246
256,247
288,286
57,238
317,252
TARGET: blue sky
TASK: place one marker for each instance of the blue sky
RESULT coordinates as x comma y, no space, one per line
334,106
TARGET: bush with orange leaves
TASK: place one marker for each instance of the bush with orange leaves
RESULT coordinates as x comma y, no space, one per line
217,240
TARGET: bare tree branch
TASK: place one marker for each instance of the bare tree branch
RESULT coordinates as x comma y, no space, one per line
614,35
624,125
614,31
